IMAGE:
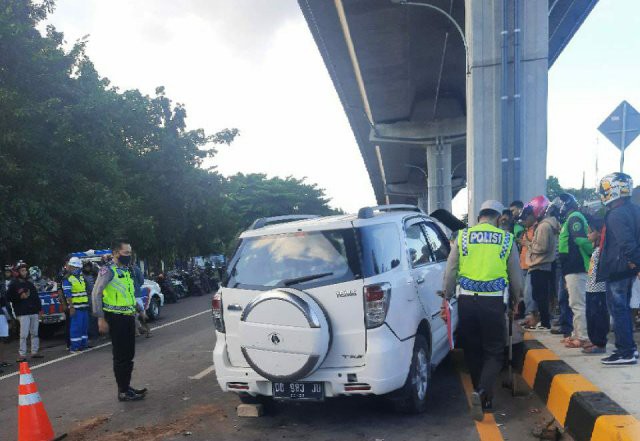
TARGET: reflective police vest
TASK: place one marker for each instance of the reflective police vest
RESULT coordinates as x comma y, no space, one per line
119,296
79,297
484,252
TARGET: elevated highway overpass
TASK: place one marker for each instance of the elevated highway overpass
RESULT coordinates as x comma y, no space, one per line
447,93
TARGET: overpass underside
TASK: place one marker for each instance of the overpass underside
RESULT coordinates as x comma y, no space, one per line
431,116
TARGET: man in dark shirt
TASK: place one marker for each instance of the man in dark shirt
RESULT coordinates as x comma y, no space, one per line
620,262
24,297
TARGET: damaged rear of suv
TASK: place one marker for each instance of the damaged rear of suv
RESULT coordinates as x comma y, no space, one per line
343,305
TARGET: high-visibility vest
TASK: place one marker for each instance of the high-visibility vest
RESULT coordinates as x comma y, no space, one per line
484,252
79,297
118,296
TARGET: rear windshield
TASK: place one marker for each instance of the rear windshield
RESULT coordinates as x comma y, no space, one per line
305,259
318,258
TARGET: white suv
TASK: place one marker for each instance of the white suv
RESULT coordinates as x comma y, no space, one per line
317,307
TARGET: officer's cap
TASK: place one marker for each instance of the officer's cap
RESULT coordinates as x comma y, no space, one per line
492,205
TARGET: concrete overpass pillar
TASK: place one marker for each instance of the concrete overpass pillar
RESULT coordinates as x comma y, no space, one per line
439,193
523,145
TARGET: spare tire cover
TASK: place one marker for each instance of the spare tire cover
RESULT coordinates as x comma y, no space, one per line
284,334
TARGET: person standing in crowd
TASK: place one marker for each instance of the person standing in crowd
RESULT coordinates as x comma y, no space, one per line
541,253
575,254
75,291
506,221
114,304
516,208
5,319
23,295
597,314
142,327
531,317
484,266
89,276
620,261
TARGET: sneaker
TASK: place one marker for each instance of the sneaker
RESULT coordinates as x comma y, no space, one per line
617,359
476,406
129,395
537,328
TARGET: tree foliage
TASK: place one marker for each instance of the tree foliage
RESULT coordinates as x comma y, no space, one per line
82,162
583,195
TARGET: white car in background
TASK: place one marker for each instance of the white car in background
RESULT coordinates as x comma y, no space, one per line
318,307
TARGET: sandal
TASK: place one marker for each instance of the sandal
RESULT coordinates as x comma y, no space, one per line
594,350
576,344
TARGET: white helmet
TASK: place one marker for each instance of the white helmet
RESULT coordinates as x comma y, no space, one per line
75,262
615,186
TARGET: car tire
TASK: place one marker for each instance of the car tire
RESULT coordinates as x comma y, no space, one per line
413,396
47,331
153,311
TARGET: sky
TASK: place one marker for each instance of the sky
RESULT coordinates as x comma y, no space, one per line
253,65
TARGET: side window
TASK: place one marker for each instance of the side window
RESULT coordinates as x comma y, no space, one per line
419,252
439,247
381,251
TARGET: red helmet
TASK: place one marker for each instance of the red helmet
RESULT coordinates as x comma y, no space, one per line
536,206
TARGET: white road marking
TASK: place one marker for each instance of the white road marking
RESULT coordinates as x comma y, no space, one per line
204,373
65,357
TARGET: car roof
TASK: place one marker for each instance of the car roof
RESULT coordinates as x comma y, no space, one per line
335,222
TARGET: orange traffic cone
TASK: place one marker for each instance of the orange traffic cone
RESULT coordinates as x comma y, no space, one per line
33,421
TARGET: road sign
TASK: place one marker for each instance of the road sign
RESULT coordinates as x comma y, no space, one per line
622,127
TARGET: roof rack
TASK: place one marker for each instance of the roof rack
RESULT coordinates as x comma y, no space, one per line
369,212
265,221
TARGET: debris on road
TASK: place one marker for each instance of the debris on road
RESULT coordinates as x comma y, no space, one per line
250,410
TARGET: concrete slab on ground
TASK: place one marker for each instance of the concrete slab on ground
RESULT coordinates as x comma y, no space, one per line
621,383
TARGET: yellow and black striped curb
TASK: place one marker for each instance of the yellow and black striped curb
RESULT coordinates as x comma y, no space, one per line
585,412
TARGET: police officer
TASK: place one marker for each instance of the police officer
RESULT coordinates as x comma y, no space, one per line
75,291
114,304
482,270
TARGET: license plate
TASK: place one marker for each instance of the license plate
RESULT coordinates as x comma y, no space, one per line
298,391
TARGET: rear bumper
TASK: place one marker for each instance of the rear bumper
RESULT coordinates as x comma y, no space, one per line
52,319
386,368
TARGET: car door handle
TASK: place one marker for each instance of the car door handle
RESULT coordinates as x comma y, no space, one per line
420,280
234,307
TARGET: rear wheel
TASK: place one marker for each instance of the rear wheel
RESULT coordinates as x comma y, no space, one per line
412,397
47,331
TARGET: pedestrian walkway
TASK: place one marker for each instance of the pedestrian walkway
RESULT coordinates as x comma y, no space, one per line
620,383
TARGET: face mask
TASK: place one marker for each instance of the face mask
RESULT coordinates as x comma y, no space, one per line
124,260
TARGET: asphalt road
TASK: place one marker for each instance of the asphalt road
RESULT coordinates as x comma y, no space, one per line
184,400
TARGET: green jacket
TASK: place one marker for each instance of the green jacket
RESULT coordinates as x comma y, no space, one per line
574,247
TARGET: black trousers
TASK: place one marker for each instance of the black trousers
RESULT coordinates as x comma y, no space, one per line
541,288
122,330
483,332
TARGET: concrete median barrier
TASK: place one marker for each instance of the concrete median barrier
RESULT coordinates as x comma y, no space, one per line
578,405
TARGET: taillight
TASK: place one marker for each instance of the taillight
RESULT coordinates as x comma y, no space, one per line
216,312
376,304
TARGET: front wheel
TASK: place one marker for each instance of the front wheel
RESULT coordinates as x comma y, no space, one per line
412,397
154,308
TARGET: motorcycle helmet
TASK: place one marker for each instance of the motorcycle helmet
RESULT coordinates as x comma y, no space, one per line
35,273
562,205
536,206
615,186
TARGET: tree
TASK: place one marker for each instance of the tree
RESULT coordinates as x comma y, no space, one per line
82,162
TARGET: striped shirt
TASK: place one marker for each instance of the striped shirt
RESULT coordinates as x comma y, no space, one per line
592,285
